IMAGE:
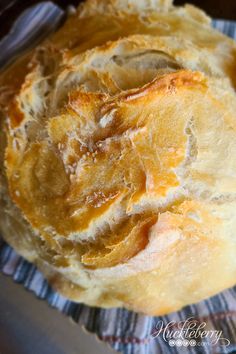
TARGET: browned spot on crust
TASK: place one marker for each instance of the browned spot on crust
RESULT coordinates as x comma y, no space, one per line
15,114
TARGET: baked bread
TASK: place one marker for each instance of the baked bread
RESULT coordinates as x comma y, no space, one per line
118,156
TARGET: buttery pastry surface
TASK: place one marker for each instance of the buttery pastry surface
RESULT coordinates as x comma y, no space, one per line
118,156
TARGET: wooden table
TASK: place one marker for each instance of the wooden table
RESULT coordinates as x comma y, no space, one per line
225,9
10,9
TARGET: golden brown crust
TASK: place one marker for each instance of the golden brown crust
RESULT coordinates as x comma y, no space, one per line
118,156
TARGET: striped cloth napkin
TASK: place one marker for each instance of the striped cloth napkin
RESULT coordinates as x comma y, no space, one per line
208,327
